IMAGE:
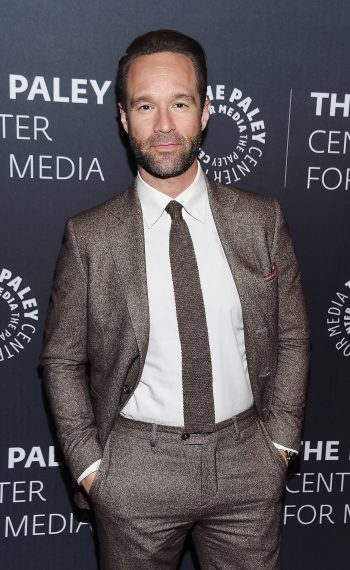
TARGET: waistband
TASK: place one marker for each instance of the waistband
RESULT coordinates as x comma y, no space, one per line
235,421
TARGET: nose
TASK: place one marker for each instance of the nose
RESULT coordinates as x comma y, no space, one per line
164,121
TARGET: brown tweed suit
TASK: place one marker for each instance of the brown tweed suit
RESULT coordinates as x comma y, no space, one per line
98,324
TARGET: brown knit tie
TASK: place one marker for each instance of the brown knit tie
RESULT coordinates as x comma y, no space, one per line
197,380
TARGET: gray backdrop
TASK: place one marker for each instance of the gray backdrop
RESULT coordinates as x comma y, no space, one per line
278,76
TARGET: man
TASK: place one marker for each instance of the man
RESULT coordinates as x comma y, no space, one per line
176,345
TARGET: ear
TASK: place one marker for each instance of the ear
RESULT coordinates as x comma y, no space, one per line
205,114
123,118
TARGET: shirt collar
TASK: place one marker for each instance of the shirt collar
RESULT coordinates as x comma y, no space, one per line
194,199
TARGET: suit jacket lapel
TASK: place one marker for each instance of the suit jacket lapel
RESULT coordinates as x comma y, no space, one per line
126,239
230,226
223,202
125,234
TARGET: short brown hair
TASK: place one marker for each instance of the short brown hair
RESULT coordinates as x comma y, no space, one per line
160,41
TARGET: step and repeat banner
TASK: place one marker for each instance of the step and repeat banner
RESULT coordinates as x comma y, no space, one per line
280,104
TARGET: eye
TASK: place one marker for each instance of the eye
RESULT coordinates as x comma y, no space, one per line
144,107
180,105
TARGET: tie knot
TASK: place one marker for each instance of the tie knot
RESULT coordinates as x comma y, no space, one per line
174,210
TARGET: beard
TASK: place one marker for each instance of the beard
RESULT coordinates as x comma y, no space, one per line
166,164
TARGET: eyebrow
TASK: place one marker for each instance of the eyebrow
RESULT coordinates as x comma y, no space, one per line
146,97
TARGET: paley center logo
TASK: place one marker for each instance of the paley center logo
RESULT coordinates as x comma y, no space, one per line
236,135
338,320
18,314
78,91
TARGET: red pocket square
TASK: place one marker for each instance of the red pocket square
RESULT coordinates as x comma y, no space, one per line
272,273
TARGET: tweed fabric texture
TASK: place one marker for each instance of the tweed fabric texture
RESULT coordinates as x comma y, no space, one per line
197,379
97,326
154,488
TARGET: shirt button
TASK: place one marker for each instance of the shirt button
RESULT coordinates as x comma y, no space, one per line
185,435
126,389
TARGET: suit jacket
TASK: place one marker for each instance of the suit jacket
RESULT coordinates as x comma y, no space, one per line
98,320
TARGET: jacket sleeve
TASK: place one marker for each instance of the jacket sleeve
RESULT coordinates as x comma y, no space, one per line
285,418
64,359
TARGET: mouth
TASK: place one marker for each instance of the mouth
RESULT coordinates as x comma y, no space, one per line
166,147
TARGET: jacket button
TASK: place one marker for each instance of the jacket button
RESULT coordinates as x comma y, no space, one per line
126,389
185,435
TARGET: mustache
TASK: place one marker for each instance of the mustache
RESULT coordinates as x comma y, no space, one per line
165,139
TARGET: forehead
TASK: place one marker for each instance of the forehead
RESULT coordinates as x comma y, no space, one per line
161,71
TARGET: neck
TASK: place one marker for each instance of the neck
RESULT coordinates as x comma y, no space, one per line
173,186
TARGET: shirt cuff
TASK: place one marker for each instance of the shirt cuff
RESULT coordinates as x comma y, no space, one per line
279,446
90,469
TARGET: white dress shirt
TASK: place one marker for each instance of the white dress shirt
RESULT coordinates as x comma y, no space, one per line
158,397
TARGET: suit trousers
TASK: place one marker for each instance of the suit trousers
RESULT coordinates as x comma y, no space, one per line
157,484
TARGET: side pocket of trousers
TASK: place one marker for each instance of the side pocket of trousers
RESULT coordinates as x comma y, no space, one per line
102,470
276,455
